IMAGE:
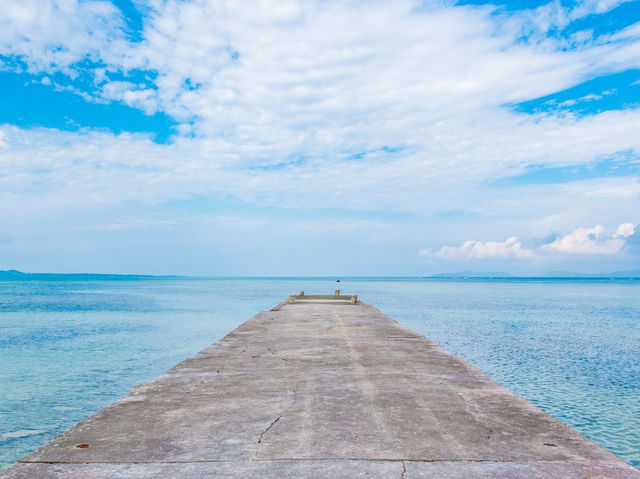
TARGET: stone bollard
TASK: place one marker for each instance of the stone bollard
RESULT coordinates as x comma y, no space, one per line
337,292
354,298
301,293
292,298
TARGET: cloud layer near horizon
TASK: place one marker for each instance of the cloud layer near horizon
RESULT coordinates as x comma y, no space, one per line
391,115
582,241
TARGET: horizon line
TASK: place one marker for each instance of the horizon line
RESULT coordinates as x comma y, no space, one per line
632,274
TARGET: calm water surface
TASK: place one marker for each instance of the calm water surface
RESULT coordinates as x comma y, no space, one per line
68,348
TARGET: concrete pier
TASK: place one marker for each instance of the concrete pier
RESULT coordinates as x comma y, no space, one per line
321,387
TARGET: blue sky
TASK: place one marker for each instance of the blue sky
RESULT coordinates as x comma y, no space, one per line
319,137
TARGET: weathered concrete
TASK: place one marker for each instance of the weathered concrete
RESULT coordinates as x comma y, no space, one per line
322,390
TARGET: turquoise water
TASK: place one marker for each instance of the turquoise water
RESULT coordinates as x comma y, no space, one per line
70,347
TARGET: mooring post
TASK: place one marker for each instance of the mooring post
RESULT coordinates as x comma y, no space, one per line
337,292
301,293
354,298
292,298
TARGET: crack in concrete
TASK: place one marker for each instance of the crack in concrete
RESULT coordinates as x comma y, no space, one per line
282,413
275,355
230,360
404,470
269,427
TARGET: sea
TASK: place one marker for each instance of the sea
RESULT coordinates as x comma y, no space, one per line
71,345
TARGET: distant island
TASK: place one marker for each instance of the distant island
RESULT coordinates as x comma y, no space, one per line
472,274
632,273
15,274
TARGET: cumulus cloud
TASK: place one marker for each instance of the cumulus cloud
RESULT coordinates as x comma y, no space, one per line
592,241
511,248
625,230
583,241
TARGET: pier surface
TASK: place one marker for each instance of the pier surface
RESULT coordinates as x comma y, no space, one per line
321,389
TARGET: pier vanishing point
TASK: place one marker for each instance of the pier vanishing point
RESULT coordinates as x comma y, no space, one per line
321,386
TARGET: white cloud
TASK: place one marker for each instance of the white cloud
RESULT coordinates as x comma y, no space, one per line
511,248
283,79
587,7
591,241
127,167
625,230
582,241
135,95
53,34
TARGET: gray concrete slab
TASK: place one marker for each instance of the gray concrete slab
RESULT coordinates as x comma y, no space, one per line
322,390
